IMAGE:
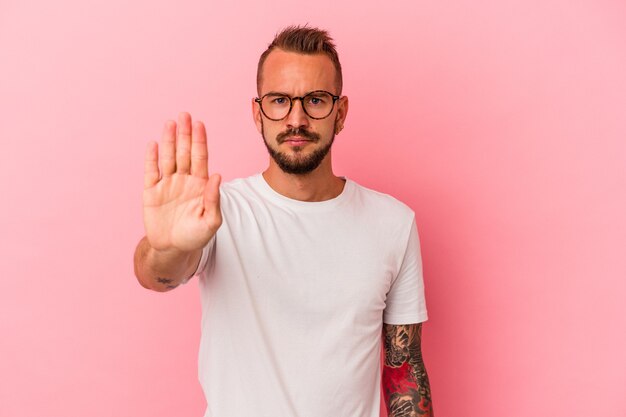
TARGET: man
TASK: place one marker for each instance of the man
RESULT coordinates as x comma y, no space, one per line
300,271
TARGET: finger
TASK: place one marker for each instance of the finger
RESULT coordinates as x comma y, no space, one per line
168,149
212,214
183,143
151,166
212,194
199,151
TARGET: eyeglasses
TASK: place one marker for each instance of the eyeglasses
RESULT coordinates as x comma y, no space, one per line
317,104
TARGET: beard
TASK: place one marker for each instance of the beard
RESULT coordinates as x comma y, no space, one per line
298,164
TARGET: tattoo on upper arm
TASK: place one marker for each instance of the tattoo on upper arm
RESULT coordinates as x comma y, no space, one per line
405,381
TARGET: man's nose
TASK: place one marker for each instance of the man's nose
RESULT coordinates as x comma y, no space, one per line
297,117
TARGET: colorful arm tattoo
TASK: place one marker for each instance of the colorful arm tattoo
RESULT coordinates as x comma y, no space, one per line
405,382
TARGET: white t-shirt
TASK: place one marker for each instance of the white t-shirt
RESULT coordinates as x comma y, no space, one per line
294,295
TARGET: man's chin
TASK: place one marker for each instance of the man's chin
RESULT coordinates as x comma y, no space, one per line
296,159
300,152
299,165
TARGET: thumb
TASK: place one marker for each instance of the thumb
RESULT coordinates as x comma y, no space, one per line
212,192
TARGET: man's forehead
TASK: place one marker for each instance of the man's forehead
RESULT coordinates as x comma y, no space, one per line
289,71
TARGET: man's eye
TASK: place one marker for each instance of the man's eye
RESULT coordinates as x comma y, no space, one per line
316,101
280,100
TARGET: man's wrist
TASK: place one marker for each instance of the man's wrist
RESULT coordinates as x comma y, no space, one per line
171,267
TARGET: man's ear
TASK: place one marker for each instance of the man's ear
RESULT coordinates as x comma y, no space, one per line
342,113
256,116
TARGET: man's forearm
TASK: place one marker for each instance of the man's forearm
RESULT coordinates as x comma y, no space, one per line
163,270
405,381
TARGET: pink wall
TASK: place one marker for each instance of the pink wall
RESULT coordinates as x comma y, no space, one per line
501,123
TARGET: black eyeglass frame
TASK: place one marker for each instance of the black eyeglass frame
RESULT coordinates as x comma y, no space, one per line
291,100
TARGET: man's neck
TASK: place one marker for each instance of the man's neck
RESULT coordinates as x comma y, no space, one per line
318,185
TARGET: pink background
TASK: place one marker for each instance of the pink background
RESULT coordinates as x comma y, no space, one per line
502,124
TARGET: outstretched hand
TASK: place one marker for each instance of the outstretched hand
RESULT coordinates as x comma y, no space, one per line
181,203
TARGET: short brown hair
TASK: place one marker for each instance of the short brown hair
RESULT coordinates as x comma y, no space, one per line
303,40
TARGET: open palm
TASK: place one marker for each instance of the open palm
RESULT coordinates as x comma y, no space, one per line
180,200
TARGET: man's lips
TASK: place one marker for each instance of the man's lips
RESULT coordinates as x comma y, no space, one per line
296,140
297,137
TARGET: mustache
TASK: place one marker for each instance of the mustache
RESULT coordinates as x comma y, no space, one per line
281,137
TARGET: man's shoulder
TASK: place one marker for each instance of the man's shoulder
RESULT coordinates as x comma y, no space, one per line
379,200
237,185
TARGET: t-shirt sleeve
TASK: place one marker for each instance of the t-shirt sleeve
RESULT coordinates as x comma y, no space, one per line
405,303
206,251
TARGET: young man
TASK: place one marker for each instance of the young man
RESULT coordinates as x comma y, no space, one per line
300,271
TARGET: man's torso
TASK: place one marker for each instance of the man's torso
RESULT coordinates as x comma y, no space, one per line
293,298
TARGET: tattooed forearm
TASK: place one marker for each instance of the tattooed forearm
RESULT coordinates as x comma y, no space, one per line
405,382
